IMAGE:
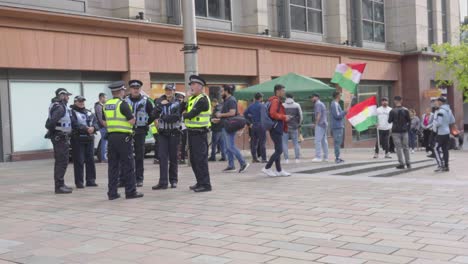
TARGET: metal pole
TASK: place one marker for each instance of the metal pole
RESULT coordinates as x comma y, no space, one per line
190,47
190,40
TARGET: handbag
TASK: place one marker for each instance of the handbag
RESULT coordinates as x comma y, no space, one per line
235,123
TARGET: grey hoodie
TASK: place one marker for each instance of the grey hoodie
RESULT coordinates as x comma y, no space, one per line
443,118
293,109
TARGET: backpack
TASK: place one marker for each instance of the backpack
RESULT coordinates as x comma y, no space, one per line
267,122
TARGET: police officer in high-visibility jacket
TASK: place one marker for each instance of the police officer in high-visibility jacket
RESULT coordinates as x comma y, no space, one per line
142,108
197,121
119,117
59,128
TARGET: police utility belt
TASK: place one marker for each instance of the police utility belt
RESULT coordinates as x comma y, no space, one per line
198,130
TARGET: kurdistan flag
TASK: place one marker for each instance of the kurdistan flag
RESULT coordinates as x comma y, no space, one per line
364,114
348,75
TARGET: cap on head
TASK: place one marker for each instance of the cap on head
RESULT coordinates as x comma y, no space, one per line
60,91
197,79
180,94
442,99
384,99
170,86
79,98
397,98
117,86
135,83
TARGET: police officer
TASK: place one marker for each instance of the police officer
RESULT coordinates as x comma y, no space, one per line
59,128
168,112
197,121
180,96
84,126
142,109
119,117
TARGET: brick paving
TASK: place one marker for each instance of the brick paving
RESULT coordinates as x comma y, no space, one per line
335,216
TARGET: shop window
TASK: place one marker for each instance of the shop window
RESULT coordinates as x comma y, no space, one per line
306,15
373,20
430,22
444,22
218,9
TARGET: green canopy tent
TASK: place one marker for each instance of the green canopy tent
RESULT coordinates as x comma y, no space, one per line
300,86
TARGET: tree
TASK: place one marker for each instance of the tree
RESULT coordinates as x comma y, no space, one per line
453,63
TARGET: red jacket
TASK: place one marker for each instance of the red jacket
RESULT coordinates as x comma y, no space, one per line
280,115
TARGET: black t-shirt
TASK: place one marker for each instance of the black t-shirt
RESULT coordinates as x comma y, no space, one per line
229,104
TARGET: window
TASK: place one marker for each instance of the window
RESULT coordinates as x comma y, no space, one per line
373,20
306,15
444,22
218,9
430,22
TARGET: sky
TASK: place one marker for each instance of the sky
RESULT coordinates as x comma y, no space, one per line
463,9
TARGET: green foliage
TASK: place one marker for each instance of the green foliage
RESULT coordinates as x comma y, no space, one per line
453,64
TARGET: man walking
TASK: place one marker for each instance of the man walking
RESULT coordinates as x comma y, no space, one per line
258,132
400,119
217,138
98,110
337,124
383,128
293,110
278,114
230,110
443,117
321,125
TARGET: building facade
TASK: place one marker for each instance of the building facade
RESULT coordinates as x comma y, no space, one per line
83,45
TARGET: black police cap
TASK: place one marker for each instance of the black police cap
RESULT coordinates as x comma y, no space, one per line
117,86
170,86
135,83
60,91
197,79
79,98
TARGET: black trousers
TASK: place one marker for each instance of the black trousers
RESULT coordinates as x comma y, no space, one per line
258,142
428,139
139,144
83,153
276,156
61,155
168,147
120,156
183,145
442,150
156,146
384,137
198,146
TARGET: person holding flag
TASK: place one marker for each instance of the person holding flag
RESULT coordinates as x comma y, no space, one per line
363,115
337,124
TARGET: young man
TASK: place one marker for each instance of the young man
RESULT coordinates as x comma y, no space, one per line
84,125
401,121
217,138
443,117
258,132
321,125
293,110
102,126
383,128
277,114
229,110
337,124
426,123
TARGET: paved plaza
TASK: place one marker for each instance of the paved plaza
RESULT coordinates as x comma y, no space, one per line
363,211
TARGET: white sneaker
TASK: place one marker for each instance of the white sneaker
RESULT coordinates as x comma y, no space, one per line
298,161
412,151
325,160
286,161
376,156
317,160
387,156
269,172
284,173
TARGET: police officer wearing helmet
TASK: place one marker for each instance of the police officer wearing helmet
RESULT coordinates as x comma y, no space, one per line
168,113
119,117
59,128
142,109
197,121
84,126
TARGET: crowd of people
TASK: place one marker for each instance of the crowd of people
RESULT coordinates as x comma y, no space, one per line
124,121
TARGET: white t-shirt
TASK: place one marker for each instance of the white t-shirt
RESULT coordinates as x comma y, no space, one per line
382,117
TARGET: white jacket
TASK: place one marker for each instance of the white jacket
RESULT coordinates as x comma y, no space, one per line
382,118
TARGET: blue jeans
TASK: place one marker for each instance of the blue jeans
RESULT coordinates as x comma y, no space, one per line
231,149
337,140
103,143
292,134
217,138
412,133
258,141
321,142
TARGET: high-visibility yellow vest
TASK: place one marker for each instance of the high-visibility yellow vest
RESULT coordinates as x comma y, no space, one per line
203,119
154,129
116,121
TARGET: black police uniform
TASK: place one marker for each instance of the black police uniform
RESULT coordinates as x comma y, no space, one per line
198,142
120,154
83,144
169,116
141,103
58,131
